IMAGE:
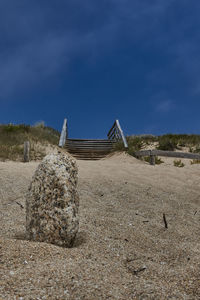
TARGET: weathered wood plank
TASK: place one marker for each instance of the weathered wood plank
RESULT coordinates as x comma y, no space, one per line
122,134
152,160
111,128
63,135
88,140
143,153
88,147
26,151
112,134
116,133
167,154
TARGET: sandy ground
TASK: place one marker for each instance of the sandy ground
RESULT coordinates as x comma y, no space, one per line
123,250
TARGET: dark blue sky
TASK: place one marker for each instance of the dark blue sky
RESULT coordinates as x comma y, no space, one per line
96,61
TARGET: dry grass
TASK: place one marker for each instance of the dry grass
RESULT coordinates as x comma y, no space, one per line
178,163
12,138
168,142
195,161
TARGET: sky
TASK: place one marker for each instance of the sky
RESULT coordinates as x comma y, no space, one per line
93,62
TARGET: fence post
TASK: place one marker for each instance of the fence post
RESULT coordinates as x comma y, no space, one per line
152,159
26,151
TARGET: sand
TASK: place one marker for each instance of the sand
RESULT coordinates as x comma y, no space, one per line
123,250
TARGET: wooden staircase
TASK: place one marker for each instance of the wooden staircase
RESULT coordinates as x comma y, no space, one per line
89,149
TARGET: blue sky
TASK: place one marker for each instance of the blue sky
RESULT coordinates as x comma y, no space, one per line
96,61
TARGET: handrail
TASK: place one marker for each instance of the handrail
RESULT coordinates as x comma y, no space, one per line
64,134
116,133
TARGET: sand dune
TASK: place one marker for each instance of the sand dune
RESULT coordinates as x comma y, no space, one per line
123,250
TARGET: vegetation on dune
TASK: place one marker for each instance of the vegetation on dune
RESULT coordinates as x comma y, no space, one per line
179,163
177,141
135,143
195,161
167,142
12,138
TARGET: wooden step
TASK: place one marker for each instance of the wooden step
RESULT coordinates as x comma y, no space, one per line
89,149
89,140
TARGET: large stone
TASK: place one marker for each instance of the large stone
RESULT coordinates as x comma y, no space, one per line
52,201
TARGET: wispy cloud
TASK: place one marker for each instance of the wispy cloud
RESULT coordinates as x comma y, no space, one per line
179,44
40,39
164,106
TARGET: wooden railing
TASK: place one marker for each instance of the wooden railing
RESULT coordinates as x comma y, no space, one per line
116,133
154,153
64,134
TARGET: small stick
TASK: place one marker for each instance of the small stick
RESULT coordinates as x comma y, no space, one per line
165,221
135,272
19,204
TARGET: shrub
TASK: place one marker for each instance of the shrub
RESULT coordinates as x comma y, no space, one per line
134,144
171,142
178,163
118,146
195,161
196,150
158,161
167,143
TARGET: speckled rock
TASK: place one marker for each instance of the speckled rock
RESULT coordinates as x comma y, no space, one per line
52,201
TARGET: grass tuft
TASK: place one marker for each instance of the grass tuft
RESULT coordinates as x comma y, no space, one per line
179,163
195,161
158,161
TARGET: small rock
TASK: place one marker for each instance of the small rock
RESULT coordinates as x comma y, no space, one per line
12,273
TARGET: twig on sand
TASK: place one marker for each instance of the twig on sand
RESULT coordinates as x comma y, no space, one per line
19,204
136,272
165,221
14,200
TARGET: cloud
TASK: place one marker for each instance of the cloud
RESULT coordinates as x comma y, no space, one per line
39,39
32,62
179,41
164,106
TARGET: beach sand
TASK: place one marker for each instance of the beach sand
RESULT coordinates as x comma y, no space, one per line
122,250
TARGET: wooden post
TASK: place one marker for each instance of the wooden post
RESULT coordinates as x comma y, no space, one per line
64,134
152,160
122,134
26,151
